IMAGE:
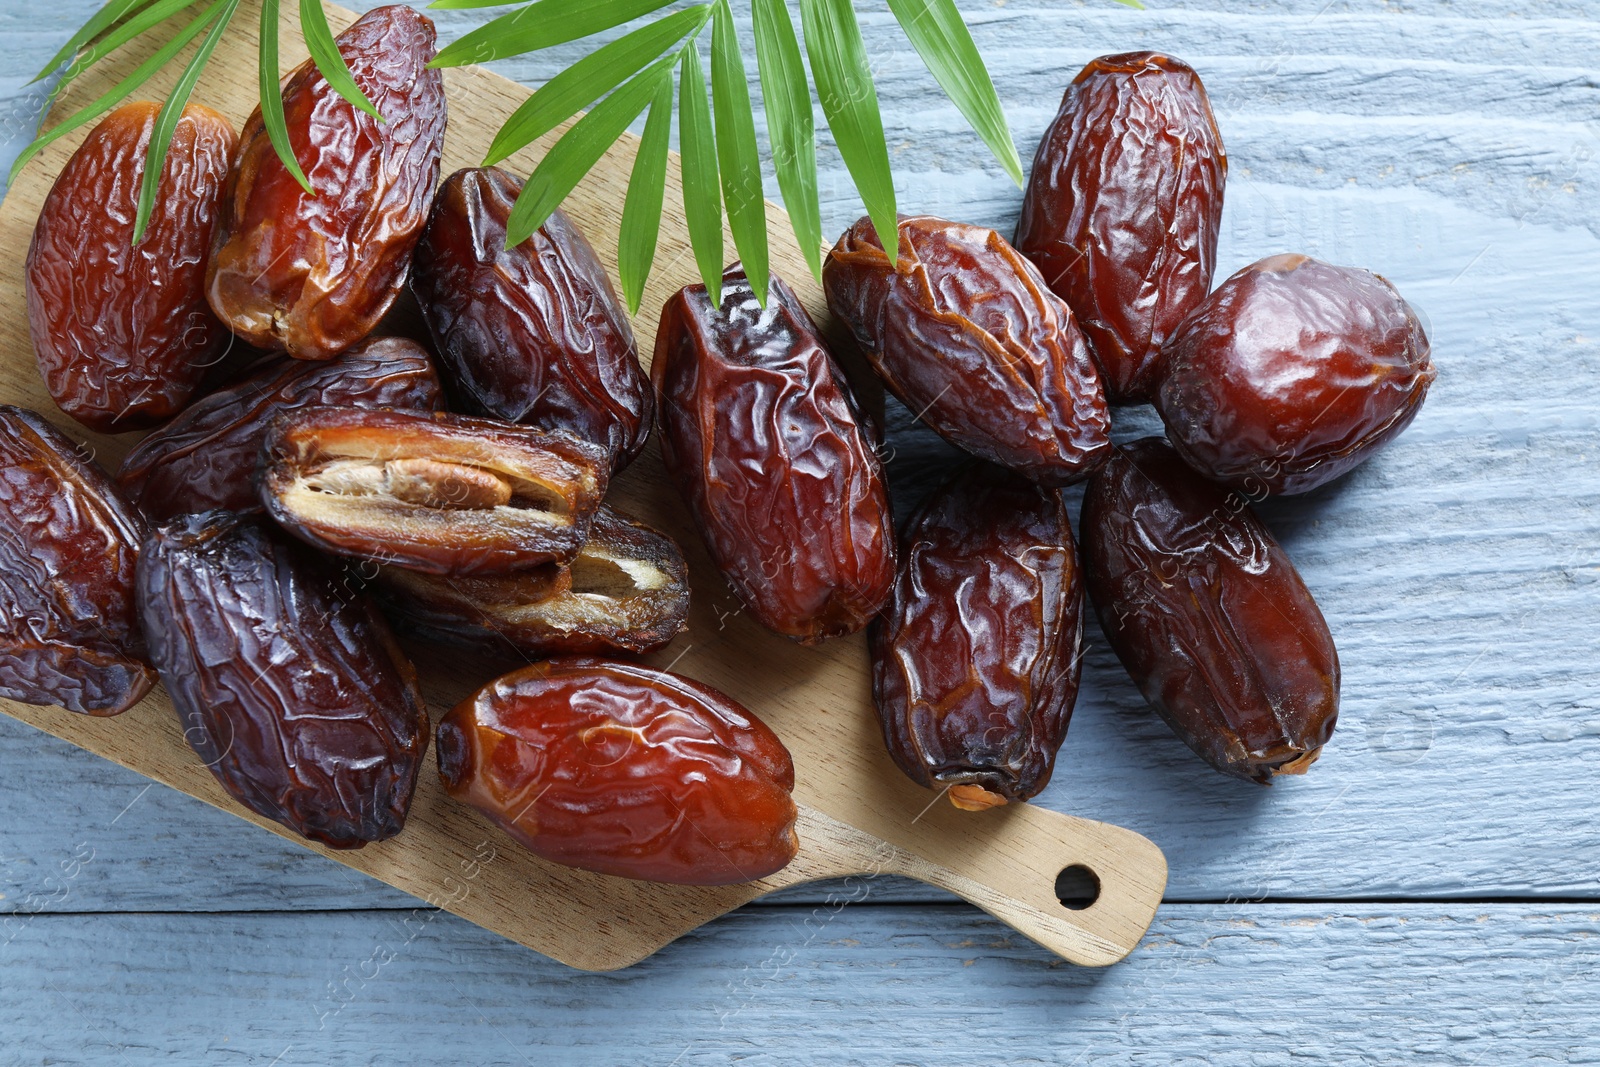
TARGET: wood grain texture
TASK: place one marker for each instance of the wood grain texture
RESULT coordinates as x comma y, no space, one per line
858,815
1449,143
829,985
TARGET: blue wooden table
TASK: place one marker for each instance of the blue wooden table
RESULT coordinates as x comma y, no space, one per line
1430,893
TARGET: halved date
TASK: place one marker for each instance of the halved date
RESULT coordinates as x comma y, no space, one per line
1123,209
207,457
445,494
967,334
761,437
311,273
531,334
1208,615
122,334
625,770
975,663
1293,372
627,590
69,545
290,688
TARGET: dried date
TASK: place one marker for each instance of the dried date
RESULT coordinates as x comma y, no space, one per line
762,439
532,334
1208,615
964,330
445,494
1292,373
291,689
975,663
625,770
206,458
627,590
1123,209
312,273
69,546
123,334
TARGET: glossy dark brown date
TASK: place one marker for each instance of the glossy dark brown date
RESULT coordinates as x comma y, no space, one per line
1292,373
312,273
122,334
207,457
441,493
975,662
531,334
967,334
69,545
625,770
762,439
1208,615
289,686
1123,209
627,590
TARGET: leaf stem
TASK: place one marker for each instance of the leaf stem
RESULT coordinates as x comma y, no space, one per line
324,51
272,95
171,113
738,158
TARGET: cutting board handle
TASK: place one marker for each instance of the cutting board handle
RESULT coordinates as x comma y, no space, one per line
1010,862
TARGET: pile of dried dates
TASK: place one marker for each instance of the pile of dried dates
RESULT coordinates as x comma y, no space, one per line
1287,375
260,549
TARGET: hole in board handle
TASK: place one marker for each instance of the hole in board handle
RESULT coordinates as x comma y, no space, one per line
1077,887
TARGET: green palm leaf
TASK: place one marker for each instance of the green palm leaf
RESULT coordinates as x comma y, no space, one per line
272,94
118,36
171,112
578,150
848,98
702,194
943,41
791,127
325,51
647,186
541,25
721,160
105,19
590,78
738,158
118,92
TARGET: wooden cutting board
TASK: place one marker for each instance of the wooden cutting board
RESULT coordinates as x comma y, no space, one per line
859,815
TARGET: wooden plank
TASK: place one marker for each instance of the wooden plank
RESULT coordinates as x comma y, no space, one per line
835,984
1458,570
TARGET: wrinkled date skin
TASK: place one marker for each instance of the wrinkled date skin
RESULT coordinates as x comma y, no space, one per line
290,688
975,662
966,333
1208,615
1123,210
532,334
1292,373
312,273
627,590
206,458
69,546
761,437
625,770
441,493
123,335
